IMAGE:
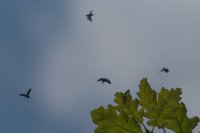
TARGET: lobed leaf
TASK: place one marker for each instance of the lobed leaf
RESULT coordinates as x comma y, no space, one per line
162,110
165,110
127,104
146,95
111,121
181,123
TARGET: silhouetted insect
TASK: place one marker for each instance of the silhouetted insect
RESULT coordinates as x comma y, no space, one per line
104,80
27,95
128,91
89,16
166,70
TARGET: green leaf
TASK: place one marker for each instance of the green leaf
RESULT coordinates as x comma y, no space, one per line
181,123
147,95
165,109
111,121
162,110
127,104
166,105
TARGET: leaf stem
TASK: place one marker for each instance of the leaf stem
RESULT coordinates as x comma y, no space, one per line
164,130
153,128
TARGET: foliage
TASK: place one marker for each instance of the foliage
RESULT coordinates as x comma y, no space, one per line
163,110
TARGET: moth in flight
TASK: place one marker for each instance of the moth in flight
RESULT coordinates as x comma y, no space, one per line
104,80
166,70
89,16
27,95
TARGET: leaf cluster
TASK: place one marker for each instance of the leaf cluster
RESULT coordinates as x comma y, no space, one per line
163,110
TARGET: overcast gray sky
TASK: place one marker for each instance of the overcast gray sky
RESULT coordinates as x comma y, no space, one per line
50,46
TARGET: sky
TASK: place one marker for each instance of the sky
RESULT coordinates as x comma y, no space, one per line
50,46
